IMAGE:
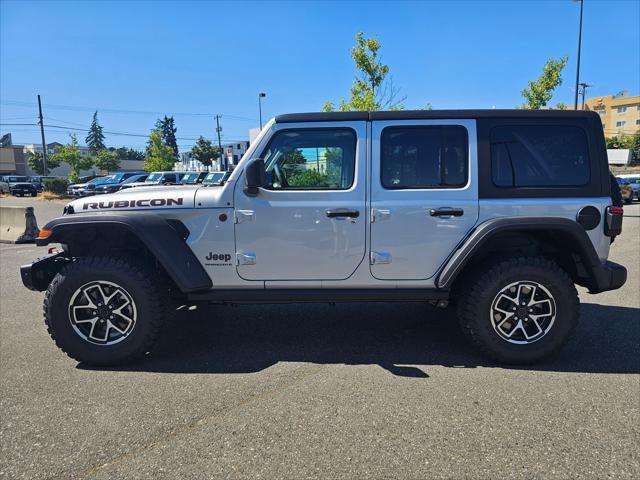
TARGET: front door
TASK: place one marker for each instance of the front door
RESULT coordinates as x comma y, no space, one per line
308,222
424,197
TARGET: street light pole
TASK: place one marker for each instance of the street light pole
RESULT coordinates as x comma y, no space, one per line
260,97
575,102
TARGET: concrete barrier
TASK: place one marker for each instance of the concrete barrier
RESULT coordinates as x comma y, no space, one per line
17,225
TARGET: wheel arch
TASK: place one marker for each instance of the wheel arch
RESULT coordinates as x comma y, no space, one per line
560,239
163,240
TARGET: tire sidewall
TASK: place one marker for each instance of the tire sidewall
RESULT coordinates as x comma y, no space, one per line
565,320
69,280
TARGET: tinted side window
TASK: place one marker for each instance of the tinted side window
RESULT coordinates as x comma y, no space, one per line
539,155
311,159
424,156
170,178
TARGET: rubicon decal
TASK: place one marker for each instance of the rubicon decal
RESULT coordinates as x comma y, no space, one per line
143,203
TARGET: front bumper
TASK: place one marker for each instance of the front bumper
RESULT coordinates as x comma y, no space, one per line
608,276
38,274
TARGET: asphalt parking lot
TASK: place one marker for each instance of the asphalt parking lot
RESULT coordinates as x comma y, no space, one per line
292,391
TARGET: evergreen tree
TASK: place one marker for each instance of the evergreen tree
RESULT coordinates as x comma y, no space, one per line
95,137
167,129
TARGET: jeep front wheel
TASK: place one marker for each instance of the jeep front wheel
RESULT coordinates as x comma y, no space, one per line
520,311
104,311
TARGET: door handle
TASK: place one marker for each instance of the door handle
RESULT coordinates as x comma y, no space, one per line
446,212
342,212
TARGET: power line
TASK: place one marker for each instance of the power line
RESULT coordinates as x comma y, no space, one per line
17,103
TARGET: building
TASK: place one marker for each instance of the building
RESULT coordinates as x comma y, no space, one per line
232,151
12,160
52,148
620,113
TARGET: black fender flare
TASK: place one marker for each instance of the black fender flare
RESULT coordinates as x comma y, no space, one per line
157,234
597,273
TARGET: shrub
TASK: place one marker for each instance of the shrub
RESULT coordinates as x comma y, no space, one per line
55,185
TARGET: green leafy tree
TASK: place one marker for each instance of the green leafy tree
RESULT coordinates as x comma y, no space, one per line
70,154
371,89
309,178
125,153
108,161
539,91
36,163
204,151
95,137
167,128
160,156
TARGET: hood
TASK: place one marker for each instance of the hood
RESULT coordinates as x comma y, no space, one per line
78,185
139,199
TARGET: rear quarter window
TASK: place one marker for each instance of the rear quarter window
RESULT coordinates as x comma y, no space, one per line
539,156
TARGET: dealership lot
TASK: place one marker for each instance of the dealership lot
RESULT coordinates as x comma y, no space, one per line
351,391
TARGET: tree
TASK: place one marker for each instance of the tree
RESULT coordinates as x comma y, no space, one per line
204,151
95,137
108,161
124,153
70,154
160,156
167,129
371,90
36,163
539,92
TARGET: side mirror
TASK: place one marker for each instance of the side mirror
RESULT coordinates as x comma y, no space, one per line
254,176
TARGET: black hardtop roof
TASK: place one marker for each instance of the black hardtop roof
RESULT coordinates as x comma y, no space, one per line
429,114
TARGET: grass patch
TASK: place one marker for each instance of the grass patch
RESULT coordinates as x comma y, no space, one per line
53,196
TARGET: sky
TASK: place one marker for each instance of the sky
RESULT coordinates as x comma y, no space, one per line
136,61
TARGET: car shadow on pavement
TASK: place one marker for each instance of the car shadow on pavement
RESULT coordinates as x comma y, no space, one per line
404,339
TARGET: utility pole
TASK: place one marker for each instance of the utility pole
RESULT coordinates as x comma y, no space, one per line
223,163
44,144
583,92
575,102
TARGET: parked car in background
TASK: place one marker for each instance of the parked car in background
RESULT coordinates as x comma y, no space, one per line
216,178
114,187
4,186
113,179
38,181
626,192
19,185
158,178
633,181
83,189
193,178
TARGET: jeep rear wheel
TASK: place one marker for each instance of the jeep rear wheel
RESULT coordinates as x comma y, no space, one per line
104,311
519,311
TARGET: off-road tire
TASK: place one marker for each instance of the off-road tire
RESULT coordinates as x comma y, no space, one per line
136,278
477,295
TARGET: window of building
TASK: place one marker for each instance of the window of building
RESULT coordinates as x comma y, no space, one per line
539,155
622,109
311,159
638,121
621,123
424,156
602,112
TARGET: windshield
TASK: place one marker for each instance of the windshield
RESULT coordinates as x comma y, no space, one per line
135,178
190,177
108,178
96,180
154,178
17,179
214,177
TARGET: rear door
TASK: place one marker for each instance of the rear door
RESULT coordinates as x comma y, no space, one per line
424,197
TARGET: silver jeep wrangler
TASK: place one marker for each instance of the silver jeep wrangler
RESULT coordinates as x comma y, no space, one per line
499,213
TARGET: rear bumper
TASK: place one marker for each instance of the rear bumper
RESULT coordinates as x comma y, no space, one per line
608,276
